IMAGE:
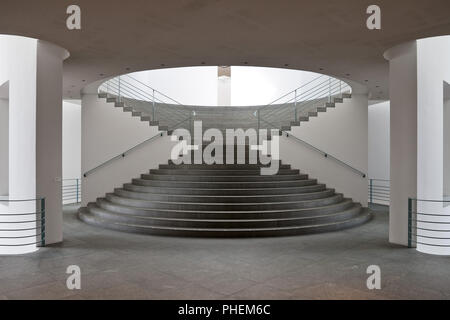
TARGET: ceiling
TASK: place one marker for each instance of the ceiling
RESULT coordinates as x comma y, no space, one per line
327,36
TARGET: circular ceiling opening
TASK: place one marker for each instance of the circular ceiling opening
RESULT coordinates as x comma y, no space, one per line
222,85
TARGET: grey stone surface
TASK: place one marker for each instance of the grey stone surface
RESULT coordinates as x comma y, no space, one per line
118,265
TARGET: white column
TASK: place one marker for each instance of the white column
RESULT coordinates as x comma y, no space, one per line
419,73
403,137
224,86
433,72
49,135
4,139
33,70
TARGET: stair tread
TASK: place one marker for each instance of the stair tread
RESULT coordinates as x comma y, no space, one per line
222,204
231,189
355,206
336,195
230,211
363,214
236,196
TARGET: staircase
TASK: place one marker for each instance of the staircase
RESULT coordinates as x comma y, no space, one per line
224,200
167,114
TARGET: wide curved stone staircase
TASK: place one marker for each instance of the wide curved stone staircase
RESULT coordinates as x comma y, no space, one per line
222,200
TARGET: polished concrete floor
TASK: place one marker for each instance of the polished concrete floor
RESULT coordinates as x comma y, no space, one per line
325,266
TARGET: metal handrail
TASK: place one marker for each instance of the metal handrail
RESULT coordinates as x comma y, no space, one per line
323,91
123,154
296,97
325,154
144,84
118,86
40,220
293,91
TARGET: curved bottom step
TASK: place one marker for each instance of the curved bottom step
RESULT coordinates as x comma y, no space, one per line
87,217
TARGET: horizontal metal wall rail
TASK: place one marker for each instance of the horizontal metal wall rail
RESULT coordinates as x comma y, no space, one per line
71,191
379,191
423,222
22,222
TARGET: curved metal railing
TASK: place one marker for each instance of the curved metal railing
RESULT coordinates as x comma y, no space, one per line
147,102
429,223
123,154
291,107
155,106
22,224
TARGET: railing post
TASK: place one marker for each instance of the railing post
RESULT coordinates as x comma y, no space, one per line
190,127
43,222
371,190
153,106
258,113
119,89
329,88
409,223
77,191
295,106
340,87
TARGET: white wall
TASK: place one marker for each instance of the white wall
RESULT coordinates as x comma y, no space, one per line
224,91
341,132
446,123
433,69
403,137
252,86
190,86
379,140
48,139
4,147
71,139
107,132
18,66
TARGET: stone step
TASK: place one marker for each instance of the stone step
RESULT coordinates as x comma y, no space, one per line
226,185
254,178
222,191
229,172
86,216
217,206
223,198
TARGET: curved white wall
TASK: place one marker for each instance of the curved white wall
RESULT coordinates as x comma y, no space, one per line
71,139
433,69
379,143
250,86
418,72
33,69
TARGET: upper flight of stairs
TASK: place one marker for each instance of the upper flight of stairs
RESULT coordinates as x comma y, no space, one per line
219,200
169,117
